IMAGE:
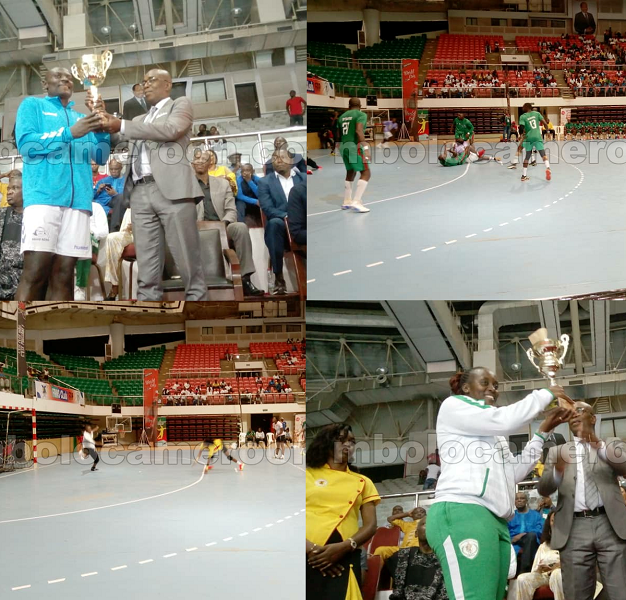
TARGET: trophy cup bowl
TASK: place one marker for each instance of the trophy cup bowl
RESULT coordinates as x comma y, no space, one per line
547,355
93,68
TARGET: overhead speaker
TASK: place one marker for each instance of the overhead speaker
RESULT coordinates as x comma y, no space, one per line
372,100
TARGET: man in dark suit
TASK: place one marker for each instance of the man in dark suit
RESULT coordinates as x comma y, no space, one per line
274,191
584,23
590,517
296,211
163,192
298,160
136,106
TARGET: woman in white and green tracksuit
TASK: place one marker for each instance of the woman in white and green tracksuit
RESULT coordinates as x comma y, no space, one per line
467,525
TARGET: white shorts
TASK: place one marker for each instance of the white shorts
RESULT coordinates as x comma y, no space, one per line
56,229
387,135
472,157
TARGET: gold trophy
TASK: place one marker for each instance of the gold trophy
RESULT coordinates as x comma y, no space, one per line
93,68
548,353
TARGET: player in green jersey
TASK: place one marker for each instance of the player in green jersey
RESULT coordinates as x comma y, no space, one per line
356,155
531,120
463,129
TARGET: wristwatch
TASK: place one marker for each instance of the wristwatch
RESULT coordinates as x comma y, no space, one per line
352,543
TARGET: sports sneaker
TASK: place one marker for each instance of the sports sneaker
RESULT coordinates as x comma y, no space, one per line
345,206
309,172
513,166
548,174
533,164
525,178
333,154
240,466
360,208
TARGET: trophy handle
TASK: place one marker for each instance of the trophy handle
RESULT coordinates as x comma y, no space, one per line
74,70
531,358
107,59
564,339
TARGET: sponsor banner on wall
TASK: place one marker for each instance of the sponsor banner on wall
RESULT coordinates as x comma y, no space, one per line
422,119
300,427
317,85
566,115
410,75
47,391
21,339
161,431
150,399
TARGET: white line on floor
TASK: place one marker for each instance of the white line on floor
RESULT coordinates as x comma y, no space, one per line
57,580
555,202
118,568
560,198
89,574
486,230
539,210
170,555
404,256
375,264
471,235
258,529
270,525
296,513
22,587
211,544
288,517
427,249
503,224
191,549
342,273
74,512
280,520
325,212
144,562
528,215
227,539
242,534
22,471
451,242
311,281
547,205
517,219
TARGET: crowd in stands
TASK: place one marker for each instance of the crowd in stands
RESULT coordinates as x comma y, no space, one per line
188,392
238,205
595,81
464,83
594,131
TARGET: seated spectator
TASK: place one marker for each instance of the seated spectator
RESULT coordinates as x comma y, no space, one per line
235,163
260,437
297,160
215,170
10,237
417,572
116,242
99,229
408,528
95,172
525,530
214,132
287,389
433,471
274,190
248,191
250,437
202,131
296,213
110,186
219,205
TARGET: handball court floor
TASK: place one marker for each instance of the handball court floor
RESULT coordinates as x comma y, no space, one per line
154,527
474,231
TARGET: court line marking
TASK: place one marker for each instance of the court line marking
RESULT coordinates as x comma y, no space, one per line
342,273
21,587
170,555
403,256
210,544
191,549
89,574
84,510
143,562
118,568
57,580
325,212
227,539
22,471
375,264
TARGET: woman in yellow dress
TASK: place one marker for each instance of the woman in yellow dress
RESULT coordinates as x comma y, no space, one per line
335,495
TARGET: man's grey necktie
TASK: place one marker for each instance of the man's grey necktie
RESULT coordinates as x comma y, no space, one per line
592,495
138,164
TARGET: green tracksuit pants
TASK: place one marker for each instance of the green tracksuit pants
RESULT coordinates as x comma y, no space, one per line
473,547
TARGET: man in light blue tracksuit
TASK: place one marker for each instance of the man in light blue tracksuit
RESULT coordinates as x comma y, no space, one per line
57,144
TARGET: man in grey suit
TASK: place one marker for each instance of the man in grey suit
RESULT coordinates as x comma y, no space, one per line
136,106
219,205
590,517
162,189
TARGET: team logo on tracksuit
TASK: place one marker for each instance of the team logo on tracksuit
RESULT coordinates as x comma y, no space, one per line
469,548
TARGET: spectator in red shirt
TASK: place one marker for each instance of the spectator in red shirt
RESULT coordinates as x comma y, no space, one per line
295,109
95,172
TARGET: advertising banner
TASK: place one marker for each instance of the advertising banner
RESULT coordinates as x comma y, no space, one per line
317,85
47,391
300,427
150,405
161,431
422,119
21,337
410,75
